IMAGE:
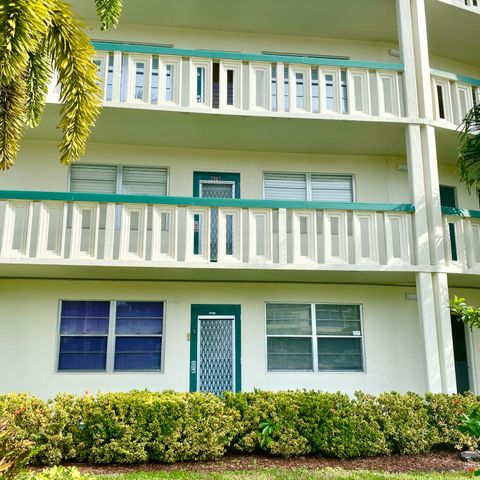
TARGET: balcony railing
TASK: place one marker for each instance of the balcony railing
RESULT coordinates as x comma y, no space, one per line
453,96
475,4
462,234
50,227
167,78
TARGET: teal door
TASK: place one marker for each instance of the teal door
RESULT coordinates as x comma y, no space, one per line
215,349
216,185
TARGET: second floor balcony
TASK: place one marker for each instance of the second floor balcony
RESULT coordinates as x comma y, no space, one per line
163,78
108,231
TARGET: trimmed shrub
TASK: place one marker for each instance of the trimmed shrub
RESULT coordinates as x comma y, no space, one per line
141,426
443,411
14,453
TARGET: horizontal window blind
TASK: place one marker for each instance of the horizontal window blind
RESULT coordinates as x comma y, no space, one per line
285,186
144,181
93,178
103,179
332,188
301,186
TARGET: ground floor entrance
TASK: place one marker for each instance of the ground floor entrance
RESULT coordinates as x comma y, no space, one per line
460,353
215,349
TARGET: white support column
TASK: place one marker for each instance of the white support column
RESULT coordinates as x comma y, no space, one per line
432,195
407,48
417,194
444,329
422,61
426,313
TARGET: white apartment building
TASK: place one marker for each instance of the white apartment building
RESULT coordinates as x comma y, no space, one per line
268,200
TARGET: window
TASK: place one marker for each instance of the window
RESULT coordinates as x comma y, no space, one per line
308,186
118,179
109,336
314,337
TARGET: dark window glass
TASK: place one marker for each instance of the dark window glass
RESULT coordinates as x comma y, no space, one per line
138,353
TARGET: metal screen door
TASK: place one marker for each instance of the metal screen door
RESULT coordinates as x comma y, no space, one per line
216,189
216,354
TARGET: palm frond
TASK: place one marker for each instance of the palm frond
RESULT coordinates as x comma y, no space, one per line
12,108
37,79
23,23
71,53
469,152
109,12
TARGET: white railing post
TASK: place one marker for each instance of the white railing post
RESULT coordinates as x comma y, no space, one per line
109,231
397,241
282,236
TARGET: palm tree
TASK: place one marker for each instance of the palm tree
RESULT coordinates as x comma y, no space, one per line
37,36
469,152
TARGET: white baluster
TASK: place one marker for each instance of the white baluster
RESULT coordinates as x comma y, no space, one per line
397,238
304,230
358,84
260,235
335,237
365,238
224,254
84,238
236,69
198,234
116,76
164,232
17,229
51,230
133,240
388,93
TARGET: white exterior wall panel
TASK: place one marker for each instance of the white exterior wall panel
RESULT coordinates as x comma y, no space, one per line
28,335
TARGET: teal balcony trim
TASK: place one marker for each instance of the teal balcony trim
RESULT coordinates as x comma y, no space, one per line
461,212
455,77
204,202
214,54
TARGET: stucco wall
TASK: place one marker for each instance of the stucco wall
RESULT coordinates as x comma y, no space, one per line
29,320
377,178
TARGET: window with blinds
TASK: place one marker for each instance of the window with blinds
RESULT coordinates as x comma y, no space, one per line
119,179
308,186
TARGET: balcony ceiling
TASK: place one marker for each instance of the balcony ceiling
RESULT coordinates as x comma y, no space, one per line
236,132
453,32
350,19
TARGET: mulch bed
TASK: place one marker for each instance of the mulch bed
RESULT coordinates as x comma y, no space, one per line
440,461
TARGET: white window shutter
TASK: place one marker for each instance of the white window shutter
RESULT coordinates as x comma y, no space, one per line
93,178
144,181
332,188
285,186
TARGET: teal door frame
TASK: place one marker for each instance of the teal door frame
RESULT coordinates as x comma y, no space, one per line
200,310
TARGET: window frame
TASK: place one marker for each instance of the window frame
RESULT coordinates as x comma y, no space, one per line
119,175
314,338
308,181
111,340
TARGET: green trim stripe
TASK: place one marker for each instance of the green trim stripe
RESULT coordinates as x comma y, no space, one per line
455,77
214,54
461,212
204,202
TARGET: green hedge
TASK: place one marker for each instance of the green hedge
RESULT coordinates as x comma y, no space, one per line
142,426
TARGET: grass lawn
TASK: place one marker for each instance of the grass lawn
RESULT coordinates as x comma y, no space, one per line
285,474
